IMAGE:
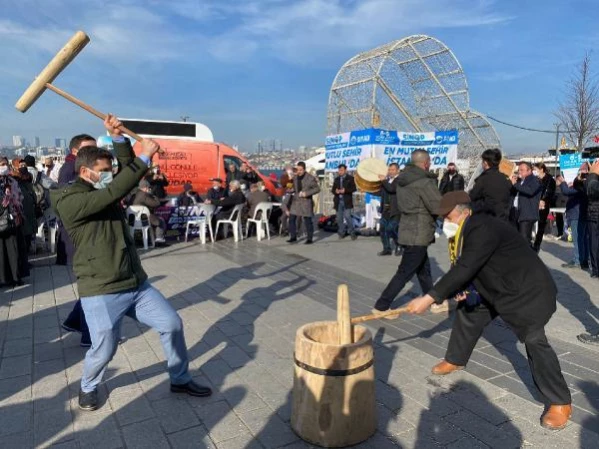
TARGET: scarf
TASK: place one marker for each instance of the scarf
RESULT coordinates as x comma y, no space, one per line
455,251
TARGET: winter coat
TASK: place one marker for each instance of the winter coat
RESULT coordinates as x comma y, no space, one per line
593,196
576,206
506,272
529,192
304,207
350,187
106,260
491,194
29,200
389,207
548,188
454,184
418,202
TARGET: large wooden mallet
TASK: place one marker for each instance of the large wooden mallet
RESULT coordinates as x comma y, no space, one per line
345,321
43,81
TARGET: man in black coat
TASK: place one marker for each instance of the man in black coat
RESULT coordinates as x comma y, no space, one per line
491,191
548,187
527,192
343,189
389,222
592,190
451,181
496,273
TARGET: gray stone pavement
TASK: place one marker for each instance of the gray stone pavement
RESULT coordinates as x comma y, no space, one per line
241,305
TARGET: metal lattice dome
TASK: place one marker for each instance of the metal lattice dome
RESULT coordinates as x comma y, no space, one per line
414,84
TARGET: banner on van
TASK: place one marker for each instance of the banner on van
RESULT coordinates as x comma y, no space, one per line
390,146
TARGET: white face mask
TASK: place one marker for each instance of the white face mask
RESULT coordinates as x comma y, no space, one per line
262,188
450,229
289,172
536,173
4,170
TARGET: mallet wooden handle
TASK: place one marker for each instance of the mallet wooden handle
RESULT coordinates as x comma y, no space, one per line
89,109
375,316
344,315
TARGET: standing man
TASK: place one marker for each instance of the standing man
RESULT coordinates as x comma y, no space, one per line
546,203
526,191
451,181
491,192
495,273
576,215
110,277
418,199
65,250
389,222
302,205
343,189
592,190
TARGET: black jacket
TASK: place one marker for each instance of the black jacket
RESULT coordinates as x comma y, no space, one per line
593,197
506,272
350,187
491,194
389,209
235,197
548,190
451,185
529,193
216,195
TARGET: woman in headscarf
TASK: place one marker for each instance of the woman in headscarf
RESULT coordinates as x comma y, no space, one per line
13,256
24,179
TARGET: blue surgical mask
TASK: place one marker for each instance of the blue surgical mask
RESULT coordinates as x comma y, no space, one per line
105,179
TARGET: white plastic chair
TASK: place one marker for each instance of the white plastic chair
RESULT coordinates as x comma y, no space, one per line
48,220
233,220
203,218
262,211
137,212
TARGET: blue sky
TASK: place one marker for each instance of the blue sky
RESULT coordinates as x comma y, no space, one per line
258,69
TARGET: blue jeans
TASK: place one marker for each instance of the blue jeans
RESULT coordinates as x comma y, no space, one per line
104,314
580,238
388,230
343,218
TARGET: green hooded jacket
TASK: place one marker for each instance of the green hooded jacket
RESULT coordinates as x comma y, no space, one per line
106,259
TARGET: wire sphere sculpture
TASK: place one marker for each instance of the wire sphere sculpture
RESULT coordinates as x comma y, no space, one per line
415,84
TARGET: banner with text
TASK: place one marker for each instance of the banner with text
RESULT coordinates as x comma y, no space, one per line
569,165
390,146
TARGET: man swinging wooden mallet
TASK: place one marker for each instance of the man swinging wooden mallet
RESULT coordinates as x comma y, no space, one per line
496,273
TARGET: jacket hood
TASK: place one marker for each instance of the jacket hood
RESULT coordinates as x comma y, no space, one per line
413,173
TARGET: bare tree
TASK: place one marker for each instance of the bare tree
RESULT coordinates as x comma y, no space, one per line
579,112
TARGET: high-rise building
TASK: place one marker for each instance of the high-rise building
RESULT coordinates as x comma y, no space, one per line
60,143
36,141
18,141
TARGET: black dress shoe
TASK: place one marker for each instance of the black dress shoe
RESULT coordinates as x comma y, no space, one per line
398,252
384,253
589,339
192,389
354,236
308,242
594,275
88,401
292,240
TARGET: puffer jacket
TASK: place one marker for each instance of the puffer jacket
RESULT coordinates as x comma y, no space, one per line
418,201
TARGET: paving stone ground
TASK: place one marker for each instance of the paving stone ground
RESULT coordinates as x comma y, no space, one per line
241,305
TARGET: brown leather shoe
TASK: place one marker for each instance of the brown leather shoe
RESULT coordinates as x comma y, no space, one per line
444,367
556,417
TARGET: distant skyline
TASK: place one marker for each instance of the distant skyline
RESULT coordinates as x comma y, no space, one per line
255,68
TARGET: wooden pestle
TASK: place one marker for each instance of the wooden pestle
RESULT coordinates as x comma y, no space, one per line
344,321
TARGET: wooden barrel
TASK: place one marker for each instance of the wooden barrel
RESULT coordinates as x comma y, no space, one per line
333,386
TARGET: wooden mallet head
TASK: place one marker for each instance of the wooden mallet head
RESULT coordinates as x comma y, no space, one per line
52,70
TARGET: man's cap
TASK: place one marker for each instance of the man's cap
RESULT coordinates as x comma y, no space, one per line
187,187
451,200
216,179
143,184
